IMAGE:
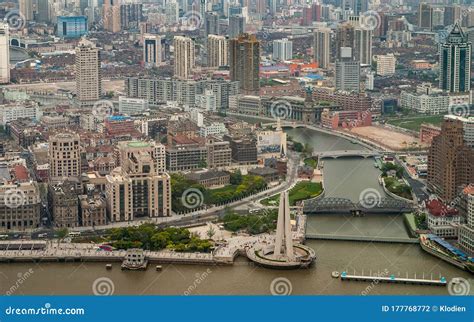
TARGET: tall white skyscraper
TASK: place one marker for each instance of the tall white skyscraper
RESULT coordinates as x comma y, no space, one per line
184,57
88,75
152,50
4,54
217,51
282,49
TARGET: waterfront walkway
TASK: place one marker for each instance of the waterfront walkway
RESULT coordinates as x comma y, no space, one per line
55,251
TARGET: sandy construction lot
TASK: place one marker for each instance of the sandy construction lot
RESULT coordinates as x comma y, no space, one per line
107,85
388,138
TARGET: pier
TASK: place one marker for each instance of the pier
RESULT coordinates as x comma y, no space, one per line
393,279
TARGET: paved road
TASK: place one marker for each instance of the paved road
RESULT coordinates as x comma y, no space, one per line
193,217
418,186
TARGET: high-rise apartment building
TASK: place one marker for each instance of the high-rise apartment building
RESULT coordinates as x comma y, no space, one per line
211,23
140,187
26,9
4,54
172,13
184,57
450,158
244,61
455,62
236,25
347,72
88,75
153,50
358,38
425,15
217,51
282,49
322,47
111,15
43,11
64,156
362,48
386,64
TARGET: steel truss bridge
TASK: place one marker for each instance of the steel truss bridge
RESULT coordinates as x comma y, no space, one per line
336,205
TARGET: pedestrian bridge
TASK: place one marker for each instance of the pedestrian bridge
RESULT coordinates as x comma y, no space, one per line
283,124
347,153
332,205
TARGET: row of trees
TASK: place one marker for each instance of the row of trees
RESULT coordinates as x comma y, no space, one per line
258,223
148,237
240,186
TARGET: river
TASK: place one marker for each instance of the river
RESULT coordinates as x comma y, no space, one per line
343,178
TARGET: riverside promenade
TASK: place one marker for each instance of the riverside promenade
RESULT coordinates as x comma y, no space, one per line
55,251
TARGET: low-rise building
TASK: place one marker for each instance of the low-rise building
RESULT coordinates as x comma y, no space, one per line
64,204
268,174
92,210
210,179
442,220
435,103
132,106
20,206
244,149
14,111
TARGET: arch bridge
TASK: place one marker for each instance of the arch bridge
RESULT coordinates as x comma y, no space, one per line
347,153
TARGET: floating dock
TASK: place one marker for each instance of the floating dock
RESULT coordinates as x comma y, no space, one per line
393,279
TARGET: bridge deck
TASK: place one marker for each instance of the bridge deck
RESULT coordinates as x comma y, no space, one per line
375,239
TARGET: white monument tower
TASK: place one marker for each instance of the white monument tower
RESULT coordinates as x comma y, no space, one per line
283,240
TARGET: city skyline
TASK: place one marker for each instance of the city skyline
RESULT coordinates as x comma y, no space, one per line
208,144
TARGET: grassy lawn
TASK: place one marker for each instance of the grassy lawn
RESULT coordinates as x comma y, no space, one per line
414,122
302,191
311,162
400,189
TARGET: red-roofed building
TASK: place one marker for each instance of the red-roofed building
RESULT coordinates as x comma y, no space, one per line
20,173
443,220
